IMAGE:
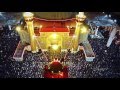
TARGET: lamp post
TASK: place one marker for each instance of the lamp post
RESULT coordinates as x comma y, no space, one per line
28,16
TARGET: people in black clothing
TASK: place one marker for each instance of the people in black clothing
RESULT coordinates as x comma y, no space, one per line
62,60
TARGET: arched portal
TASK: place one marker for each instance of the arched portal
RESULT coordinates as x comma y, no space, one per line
54,45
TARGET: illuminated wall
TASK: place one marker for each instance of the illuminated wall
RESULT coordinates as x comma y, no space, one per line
46,39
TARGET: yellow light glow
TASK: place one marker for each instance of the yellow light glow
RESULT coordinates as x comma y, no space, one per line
83,30
74,36
28,14
55,47
18,28
54,36
34,36
68,26
81,14
40,26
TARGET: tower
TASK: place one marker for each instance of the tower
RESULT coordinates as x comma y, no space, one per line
29,21
79,26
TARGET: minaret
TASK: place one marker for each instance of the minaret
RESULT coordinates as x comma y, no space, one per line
79,22
28,16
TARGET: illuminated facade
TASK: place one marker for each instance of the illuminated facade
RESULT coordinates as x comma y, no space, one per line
54,36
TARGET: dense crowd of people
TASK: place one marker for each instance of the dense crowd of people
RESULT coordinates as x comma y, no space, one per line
105,65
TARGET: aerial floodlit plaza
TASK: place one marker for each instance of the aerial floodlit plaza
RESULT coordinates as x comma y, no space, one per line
59,45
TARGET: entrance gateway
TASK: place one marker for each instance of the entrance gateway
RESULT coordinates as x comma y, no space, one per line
54,44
